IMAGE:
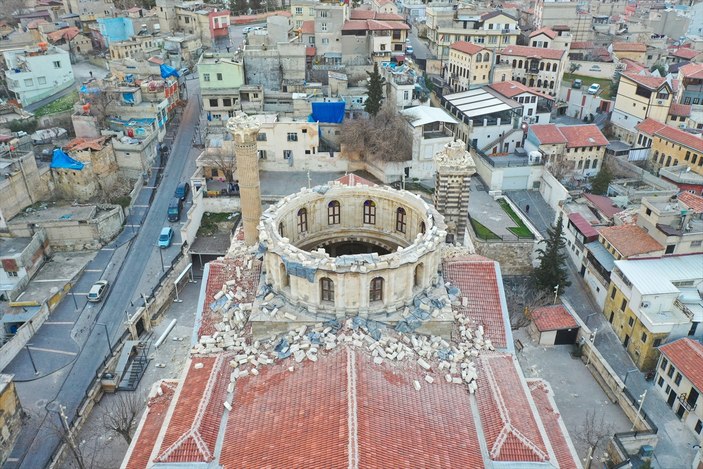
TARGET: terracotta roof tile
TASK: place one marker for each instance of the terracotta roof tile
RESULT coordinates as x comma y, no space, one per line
587,135
467,47
538,52
509,426
514,88
667,132
692,71
649,126
581,45
677,109
687,356
352,179
478,282
603,204
692,201
82,143
547,134
554,426
647,81
629,47
308,27
685,53
553,318
631,240
632,65
550,33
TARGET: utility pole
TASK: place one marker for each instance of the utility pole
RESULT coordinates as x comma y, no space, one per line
36,372
556,292
107,335
639,409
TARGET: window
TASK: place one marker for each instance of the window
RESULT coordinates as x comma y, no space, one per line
28,82
376,290
287,154
11,274
422,227
41,80
370,212
644,337
213,102
206,77
57,64
333,209
226,101
670,249
326,289
631,321
612,293
219,77
400,220
670,373
699,427
303,220
661,382
298,11
323,13
280,228
657,342
323,27
677,380
261,137
325,41
623,305
692,330
292,136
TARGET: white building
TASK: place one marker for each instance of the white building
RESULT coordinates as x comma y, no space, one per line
37,73
536,106
432,128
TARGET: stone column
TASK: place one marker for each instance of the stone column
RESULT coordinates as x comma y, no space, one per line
244,130
454,168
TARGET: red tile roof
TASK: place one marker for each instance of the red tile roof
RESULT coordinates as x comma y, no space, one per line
583,135
359,14
193,426
687,356
632,65
551,34
677,109
647,81
692,71
631,240
536,52
82,143
629,47
478,281
582,225
649,126
66,34
581,45
467,47
352,179
685,53
514,88
603,204
373,25
554,426
553,318
672,134
150,426
509,426
692,201
308,27
547,134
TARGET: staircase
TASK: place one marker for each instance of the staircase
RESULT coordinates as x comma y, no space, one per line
486,149
139,354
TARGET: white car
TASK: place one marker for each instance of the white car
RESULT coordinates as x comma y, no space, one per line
408,49
594,88
98,291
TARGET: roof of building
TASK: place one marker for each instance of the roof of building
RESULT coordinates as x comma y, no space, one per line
533,52
655,276
34,24
308,27
685,53
630,240
547,134
574,136
352,179
582,225
602,255
581,45
65,34
514,88
629,47
421,115
467,47
681,110
692,201
692,70
648,81
477,279
603,204
373,25
632,65
359,14
82,143
493,14
553,318
480,101
687,356
550,33
667,132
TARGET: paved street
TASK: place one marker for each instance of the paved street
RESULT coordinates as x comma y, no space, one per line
675,447
75,348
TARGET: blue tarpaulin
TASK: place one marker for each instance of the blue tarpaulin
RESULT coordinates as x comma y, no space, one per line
331,113
61,160
168,71
128,97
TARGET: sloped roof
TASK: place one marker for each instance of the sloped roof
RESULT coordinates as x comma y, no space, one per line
467,47
629,47
360,14
685,53
687,356
581,45
373,25
632,65
693,202
677,109
308,27
514,88
421,115
82,143
586,135
533,52
66,34
652,127
582,225
649,126
603,204
630,240
692,71
550,33
547,134
553,318
648,81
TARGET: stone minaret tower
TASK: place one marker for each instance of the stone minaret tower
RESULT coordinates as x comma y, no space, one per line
244,130
454,167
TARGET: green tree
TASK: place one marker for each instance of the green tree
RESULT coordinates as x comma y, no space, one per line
600,182
552,260
239,7
375,92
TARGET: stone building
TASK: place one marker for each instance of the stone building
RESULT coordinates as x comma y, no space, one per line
454,170
10,416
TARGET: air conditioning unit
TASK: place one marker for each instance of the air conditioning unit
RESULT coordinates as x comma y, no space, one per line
645,304
660,102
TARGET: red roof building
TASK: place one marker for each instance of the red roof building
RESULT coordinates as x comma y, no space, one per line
553,318
550,33
671,134
630,241
629,47
467,47
573,136
646,80
533,52
686,356
692,201
602,204
685,53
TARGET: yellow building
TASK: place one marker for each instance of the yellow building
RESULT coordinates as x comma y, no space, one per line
651,301
536,67
630,50
640,96
469,66
10,416
670,146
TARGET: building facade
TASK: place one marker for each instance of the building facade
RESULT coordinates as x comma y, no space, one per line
469,66
639,97
535,67
37,73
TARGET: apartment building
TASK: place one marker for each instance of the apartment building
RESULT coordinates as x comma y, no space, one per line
535,67
35,73
630,50
221,76
670,146
558,37
469,66
653,301
90,10
209,22
20,259
578,149
679,381
675,224
446,25
302,11
138,47
329,22
640,96
536,106
690,89
431,128
379,40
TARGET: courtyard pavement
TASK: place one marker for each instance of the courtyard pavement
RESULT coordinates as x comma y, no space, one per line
485,210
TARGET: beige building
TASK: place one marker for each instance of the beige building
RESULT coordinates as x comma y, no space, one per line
139,47
469,66
558,37
630,50
536,67
10,416
21,184
676,225
571,149
640,96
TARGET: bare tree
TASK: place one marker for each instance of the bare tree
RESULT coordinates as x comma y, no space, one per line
385,137
223,160
593,431
11,9
521,300
560,167
121,415
99,105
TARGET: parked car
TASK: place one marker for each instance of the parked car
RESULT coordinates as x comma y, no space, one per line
184,71
174,209
577,84
98,291
182,190
594,88
166,237
246,29
408,49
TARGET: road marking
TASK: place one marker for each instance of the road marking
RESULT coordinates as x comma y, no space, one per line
176,244
93,270
47,280
149,187
59,323
140,206
73,354
107,249
79,294
134,226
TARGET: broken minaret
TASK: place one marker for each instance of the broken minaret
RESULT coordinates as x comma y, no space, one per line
244,130
453,170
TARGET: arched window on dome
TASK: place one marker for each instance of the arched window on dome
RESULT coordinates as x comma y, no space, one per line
326,289
280,229
400,220
370,212
376,289
333,211
302,220
423,228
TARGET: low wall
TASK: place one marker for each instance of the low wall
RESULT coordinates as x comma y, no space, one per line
659,187
604,70
23,335
515,257
193,217
318,162
552,191
221,204
58,119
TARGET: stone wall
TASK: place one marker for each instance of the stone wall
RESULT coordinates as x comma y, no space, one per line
10,416
21,186
515,257
23,335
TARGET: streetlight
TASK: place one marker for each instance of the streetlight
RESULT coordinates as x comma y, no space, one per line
639,409
107,335
73,295
36,372
627,373
161,254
